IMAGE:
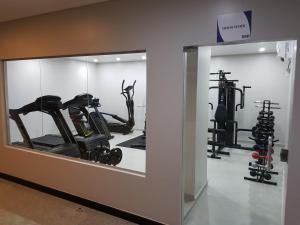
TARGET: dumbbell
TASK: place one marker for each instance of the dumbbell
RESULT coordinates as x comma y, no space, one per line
261,136
265,117
265,125
254,129
265,128
257,147
261,142
265,120
261,149
266,113
267,176
264,134
253,173
255,155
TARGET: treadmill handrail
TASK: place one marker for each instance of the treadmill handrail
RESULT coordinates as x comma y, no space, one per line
79,100
51,103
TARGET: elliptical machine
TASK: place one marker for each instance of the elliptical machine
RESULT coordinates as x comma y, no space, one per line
124,126
225,128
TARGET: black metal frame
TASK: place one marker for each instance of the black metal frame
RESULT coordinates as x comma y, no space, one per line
50,105
215,152
124,126
266,142
226,96
78,108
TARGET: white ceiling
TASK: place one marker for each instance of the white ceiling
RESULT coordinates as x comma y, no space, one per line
16,9
111,58
242,49
222,50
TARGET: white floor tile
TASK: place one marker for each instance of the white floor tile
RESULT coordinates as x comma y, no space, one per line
133,159
231,200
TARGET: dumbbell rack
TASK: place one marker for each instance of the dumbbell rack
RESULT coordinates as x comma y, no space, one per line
263,135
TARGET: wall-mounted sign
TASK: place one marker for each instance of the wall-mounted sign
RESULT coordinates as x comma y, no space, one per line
234,27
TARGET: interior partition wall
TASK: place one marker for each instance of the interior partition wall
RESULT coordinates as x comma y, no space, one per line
162,28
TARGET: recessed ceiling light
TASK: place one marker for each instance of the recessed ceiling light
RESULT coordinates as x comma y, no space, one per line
144,57
95,60
262,49
118,59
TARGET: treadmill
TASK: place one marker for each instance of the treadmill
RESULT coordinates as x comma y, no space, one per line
90,147
65,144
94,122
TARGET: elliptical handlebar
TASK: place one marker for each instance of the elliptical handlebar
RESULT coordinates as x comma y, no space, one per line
78,100
94,103
220,72
133,88
126,91
123,85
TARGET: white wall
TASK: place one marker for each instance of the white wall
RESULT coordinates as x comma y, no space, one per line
107,87
204,60
23,87
195,121
189,129
267,76
30,79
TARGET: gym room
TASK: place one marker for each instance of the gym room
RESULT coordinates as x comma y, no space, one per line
235,149
88,108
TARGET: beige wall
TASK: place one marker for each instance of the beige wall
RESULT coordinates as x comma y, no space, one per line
162,28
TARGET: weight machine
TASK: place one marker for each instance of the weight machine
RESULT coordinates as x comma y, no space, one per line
225,127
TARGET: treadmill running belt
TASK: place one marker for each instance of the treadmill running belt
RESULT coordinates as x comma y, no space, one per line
49,140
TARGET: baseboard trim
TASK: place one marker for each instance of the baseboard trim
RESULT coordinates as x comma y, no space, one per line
84,202
201,190
195,198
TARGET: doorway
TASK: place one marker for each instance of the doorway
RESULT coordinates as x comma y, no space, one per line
237,116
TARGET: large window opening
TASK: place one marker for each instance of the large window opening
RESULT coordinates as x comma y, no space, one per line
90,108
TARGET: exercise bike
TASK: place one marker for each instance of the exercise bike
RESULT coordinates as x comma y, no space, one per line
123,126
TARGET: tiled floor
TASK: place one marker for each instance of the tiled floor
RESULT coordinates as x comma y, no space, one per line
230,200
20,205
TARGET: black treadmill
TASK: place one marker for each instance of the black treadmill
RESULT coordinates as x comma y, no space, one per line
94,147
94,122
65,144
